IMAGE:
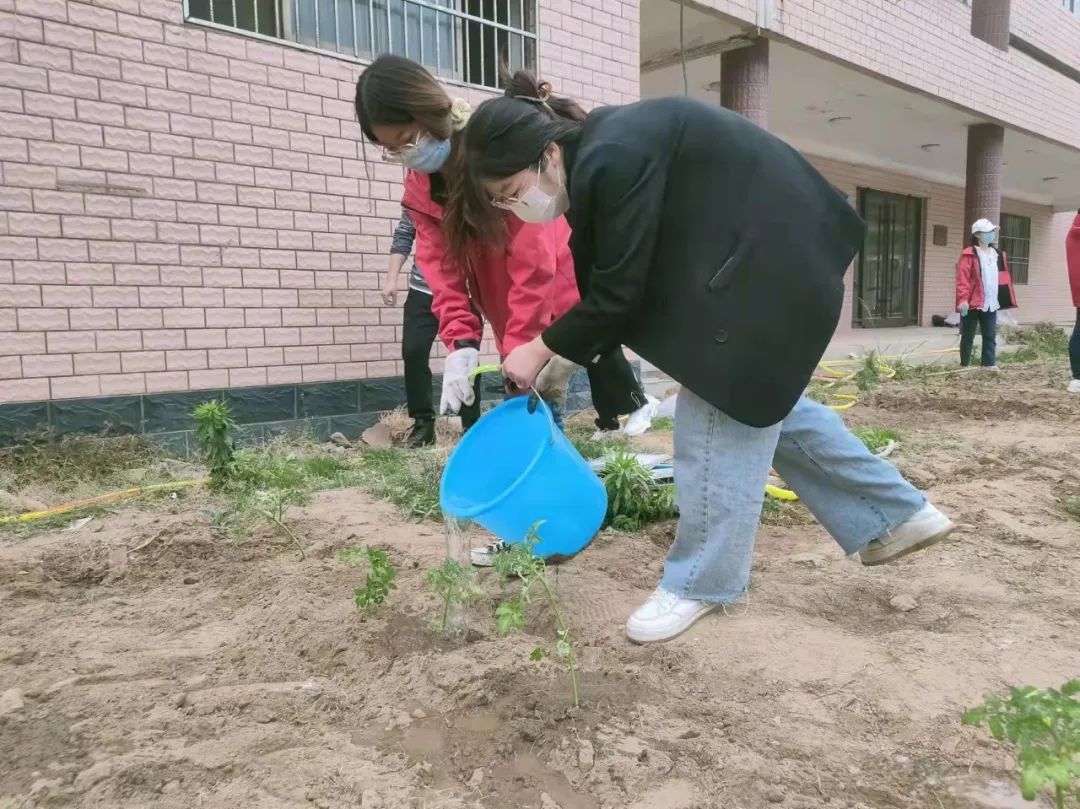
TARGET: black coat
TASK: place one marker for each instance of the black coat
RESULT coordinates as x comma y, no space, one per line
709,247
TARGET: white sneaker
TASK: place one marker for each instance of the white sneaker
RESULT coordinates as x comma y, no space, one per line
1074,386
484,556
926,528
606,435
641,419
664,616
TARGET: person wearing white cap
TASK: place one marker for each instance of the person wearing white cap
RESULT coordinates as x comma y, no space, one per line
983,287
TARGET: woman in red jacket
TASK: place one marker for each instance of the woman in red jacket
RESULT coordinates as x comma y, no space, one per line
983,287
519,284
1072,259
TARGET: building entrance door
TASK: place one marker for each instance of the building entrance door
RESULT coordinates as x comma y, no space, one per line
887,275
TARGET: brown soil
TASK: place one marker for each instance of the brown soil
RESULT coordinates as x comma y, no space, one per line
198,673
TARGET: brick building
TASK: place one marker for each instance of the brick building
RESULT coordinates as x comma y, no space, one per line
185,205
186,210
928,113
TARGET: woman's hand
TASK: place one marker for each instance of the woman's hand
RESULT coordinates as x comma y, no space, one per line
524,363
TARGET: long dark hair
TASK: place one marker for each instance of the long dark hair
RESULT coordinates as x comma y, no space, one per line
397,91
504,136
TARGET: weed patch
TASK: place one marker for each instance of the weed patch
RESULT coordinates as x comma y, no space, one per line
1036,342
875,438
409,480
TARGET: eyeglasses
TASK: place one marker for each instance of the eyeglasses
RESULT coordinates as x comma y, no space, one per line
399,154
507,203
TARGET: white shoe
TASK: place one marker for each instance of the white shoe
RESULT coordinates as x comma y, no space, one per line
606,435
664,616
1074,386
641,419
484,556
926,528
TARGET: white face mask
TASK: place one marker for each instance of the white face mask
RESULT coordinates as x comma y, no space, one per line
536,205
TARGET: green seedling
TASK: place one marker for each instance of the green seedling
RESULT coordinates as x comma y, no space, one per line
213,434
1043,725
380,579
522,564
455,585
874,438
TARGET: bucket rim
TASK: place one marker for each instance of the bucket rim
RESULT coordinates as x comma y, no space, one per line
473,511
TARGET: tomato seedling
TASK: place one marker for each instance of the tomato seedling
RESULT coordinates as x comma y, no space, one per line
522,564
380,579
1043,724
455,585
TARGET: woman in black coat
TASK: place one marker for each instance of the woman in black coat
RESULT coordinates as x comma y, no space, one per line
716,252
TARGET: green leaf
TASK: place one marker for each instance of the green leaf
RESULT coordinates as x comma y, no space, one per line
1031,782
997,727
510,617
537,654
975,717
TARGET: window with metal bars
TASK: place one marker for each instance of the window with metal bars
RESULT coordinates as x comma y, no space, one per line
1016,242
458,39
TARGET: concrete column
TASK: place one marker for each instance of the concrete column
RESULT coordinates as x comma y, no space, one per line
744,81
990,22
982,192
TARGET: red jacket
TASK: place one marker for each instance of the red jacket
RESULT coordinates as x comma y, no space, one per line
1072,259
520,287
969,285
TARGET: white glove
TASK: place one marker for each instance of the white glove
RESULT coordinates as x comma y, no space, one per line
554,379
457,385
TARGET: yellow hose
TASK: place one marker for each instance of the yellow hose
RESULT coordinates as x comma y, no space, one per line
103,498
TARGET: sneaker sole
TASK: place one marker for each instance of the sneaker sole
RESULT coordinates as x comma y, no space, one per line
882,558
640,641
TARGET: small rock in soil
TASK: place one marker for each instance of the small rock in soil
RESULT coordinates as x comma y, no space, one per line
904,603
171,787
419,714
322,803
477,778
547,802
586,755
262,716
11,701
191,579
339,440
774,796
179,700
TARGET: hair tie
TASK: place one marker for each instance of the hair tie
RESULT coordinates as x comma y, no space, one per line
460,111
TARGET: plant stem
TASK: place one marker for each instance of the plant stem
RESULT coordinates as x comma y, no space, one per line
445,612
1060,793
562,628
287,532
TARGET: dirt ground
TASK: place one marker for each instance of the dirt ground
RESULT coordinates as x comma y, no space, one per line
198,673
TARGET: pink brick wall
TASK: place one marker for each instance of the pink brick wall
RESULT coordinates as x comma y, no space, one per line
927,45
182,208
1045,297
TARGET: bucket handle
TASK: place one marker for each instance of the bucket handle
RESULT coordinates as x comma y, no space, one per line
536,400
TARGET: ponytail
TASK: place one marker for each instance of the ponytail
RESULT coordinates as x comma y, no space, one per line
504,136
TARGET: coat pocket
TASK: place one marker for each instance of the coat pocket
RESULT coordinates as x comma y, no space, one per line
729,269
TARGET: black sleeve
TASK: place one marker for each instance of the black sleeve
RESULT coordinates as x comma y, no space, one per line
624,193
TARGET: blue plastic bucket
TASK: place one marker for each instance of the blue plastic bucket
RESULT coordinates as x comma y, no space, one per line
515,469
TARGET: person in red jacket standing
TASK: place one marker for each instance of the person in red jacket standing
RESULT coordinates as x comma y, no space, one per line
983,287
1072,259
519,283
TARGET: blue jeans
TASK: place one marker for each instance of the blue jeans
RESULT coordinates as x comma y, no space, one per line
722,466
986,323
1074,348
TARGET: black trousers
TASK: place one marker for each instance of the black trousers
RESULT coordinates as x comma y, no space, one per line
419,330
615,390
